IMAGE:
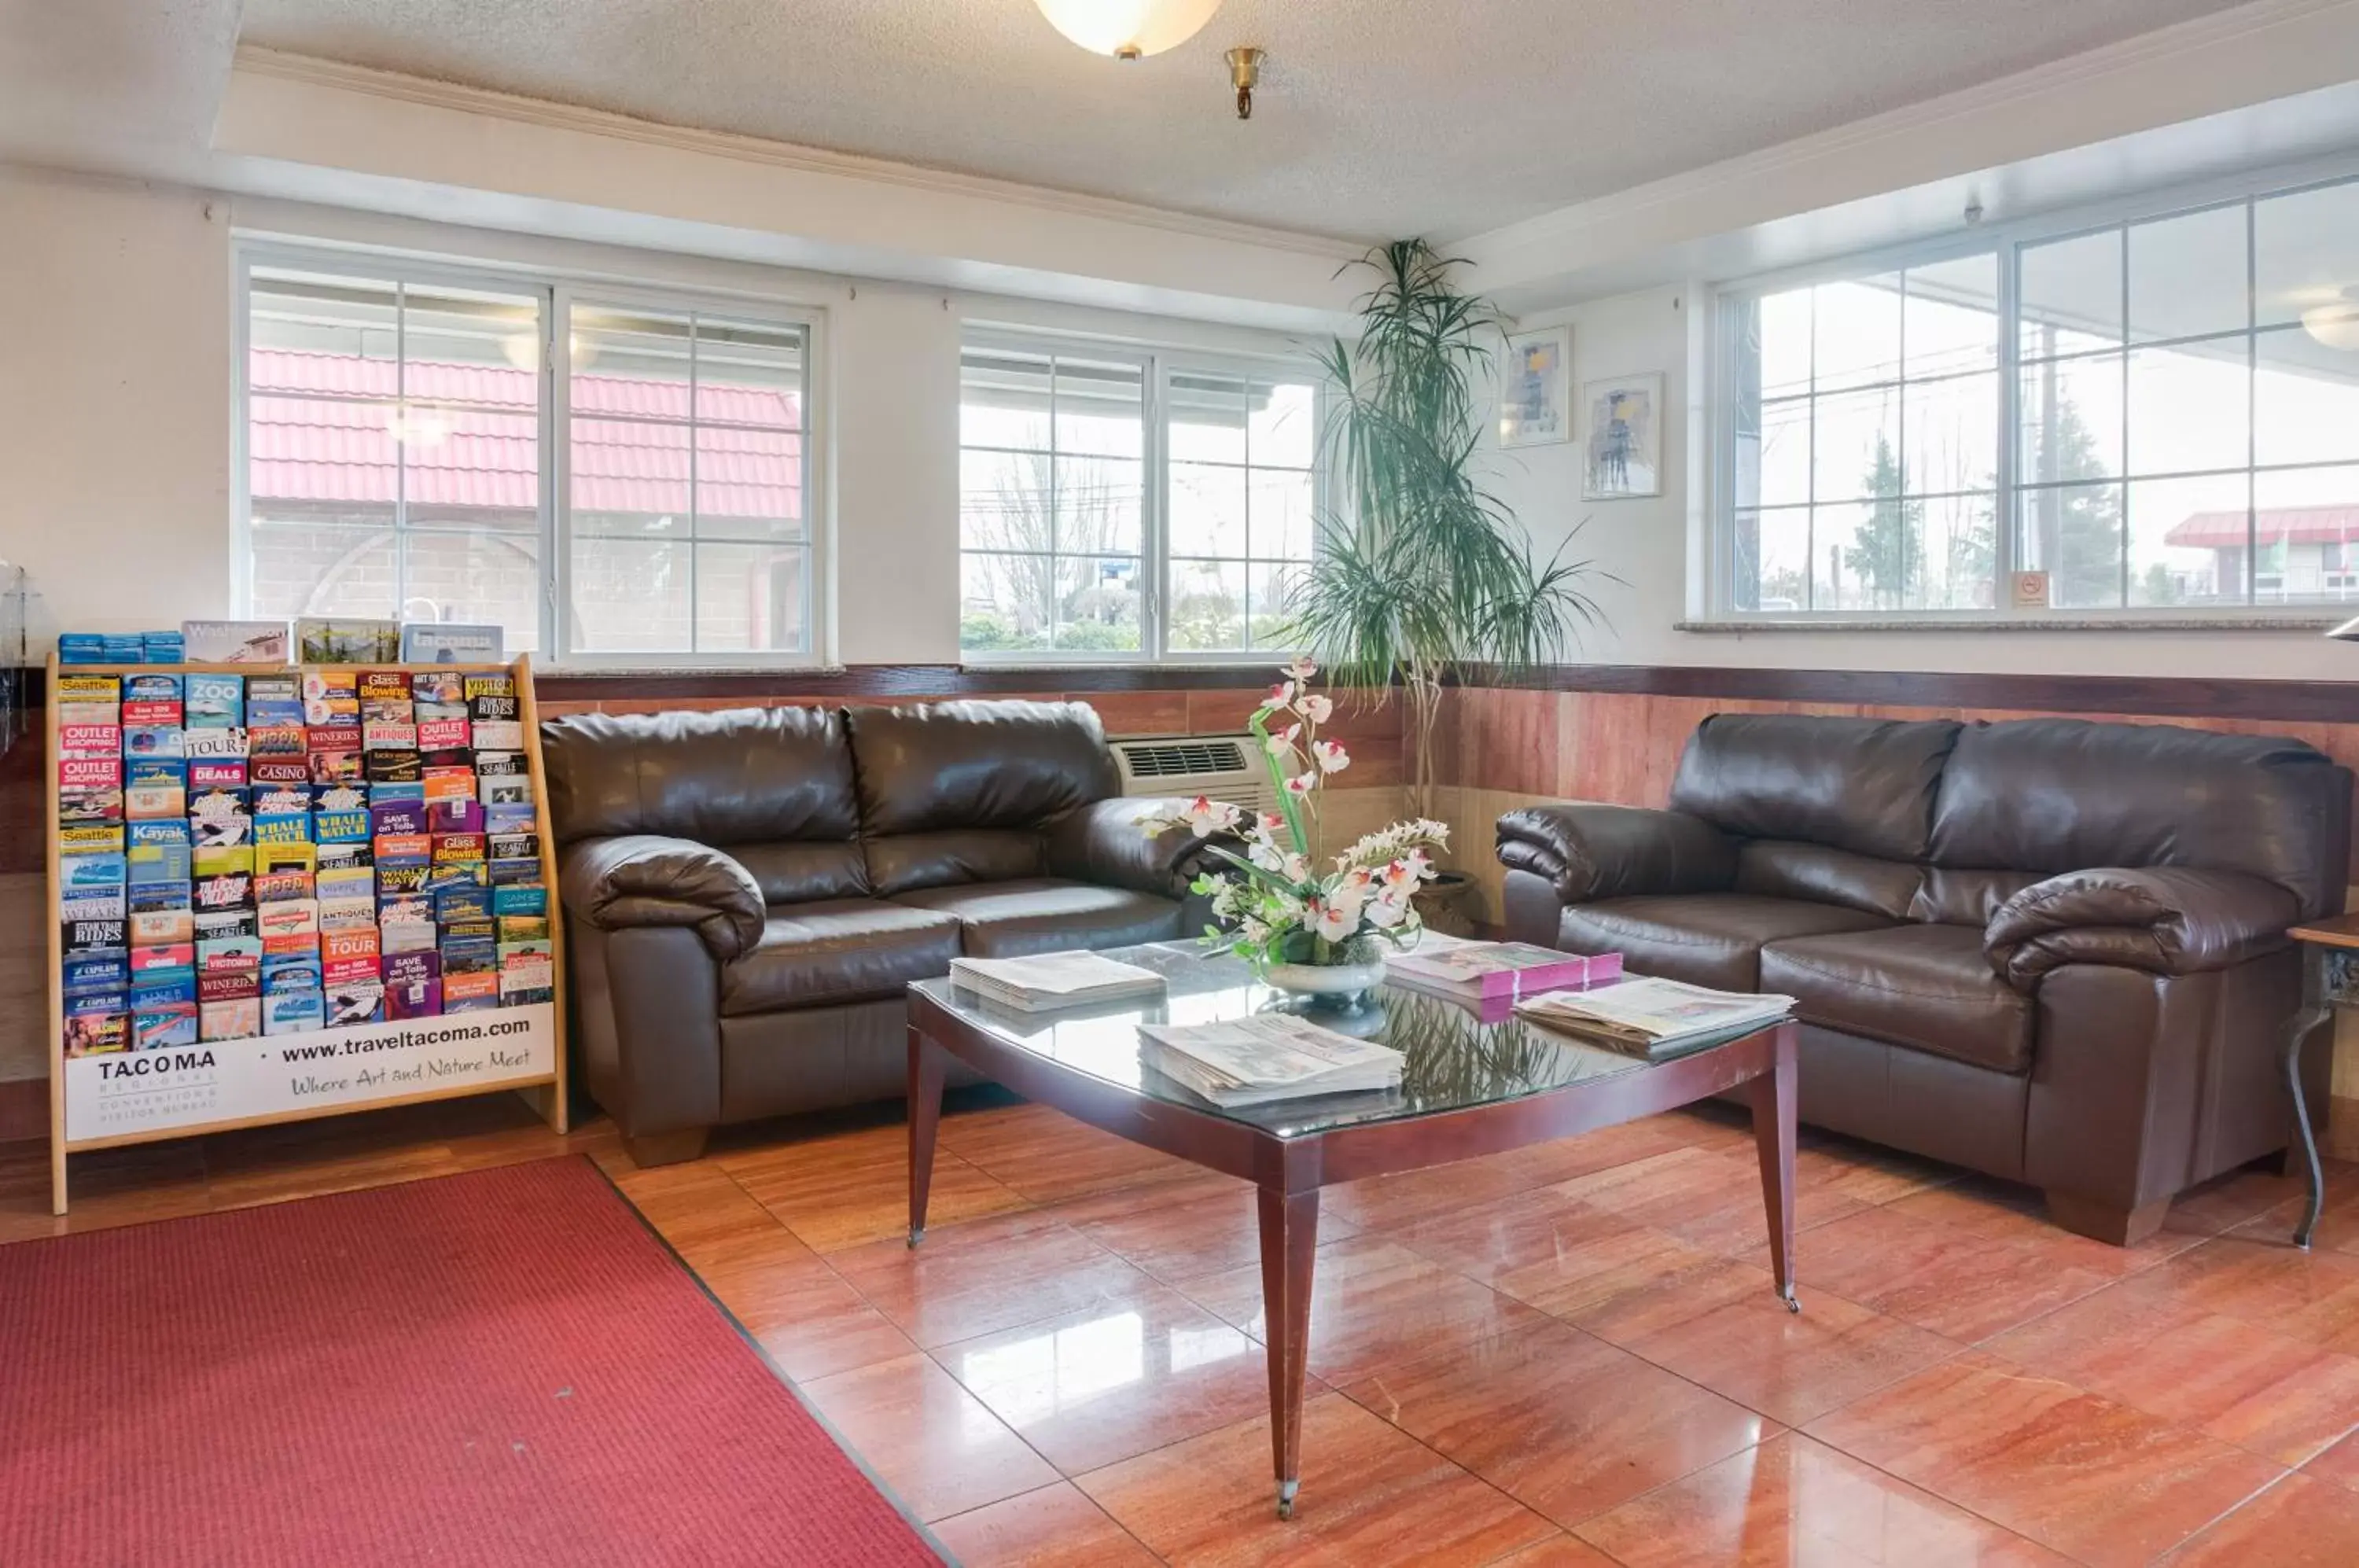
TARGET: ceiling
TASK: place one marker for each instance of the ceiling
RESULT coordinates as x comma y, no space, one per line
1376,118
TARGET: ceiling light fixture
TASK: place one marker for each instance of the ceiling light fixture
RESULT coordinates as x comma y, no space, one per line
2335,323
1128,29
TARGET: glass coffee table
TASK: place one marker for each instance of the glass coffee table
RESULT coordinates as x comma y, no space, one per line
1473,1083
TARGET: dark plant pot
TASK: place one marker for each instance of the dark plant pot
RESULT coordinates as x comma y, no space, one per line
1442,903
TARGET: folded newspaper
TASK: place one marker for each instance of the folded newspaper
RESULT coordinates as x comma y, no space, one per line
1053,980
1654,1019
1270,1056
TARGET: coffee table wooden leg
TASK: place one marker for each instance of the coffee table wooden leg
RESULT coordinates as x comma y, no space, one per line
1289,1240
1773,1136
925,1120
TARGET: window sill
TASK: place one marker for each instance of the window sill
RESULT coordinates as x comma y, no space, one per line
2295,624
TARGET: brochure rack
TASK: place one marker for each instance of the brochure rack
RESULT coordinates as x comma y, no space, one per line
103,1095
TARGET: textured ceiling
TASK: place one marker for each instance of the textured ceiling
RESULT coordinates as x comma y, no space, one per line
1377,117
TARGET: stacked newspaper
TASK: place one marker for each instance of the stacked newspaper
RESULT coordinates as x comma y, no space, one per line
1654,1019
1053,980
1271,1056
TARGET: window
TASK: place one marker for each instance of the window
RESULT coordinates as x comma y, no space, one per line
2165,411
685,484
1134,505
407,456
393,451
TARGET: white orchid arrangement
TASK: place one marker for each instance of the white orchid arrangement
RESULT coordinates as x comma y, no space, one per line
1279,908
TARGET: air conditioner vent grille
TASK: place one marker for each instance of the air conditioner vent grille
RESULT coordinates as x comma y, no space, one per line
1172,759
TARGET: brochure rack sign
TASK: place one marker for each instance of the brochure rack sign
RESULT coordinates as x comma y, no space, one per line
176,1087
285,891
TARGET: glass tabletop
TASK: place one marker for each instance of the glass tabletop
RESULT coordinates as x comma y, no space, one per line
1456,1056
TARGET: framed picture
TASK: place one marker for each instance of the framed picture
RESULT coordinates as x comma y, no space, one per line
1621,438
1534,396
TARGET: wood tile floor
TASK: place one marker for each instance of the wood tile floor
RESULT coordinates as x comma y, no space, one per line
1564,1358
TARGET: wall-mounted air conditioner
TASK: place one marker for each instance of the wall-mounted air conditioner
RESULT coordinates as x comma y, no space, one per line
1221,767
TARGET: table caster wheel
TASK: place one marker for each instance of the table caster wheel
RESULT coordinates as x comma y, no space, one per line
1286,1490
1793,1303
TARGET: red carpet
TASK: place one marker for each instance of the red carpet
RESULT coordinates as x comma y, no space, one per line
502,1368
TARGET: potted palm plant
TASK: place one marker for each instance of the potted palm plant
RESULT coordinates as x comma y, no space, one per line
1421,569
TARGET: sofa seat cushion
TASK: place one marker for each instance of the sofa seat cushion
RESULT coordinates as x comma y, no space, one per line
1928,987
1042,914
835,950
1705,938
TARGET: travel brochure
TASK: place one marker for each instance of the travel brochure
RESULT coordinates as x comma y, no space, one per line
268,854
313,640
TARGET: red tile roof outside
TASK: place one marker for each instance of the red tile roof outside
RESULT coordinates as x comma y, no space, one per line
2294,524
311,446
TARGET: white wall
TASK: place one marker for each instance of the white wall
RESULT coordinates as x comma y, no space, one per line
116,399
1646,544
114,387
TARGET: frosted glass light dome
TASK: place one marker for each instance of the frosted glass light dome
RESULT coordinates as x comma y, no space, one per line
1128,28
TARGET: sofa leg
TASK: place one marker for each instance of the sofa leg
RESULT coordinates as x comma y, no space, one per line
666,1147
2105,1221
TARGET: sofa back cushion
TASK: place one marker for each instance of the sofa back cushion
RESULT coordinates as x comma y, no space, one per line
954,792
1954,896
772,786
1780,868
1861,785
2050,795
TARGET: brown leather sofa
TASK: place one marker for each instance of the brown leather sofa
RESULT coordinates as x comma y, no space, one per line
747,893
2048,949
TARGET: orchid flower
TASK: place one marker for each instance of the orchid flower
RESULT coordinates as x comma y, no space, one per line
1298,670
1318,709
1330,757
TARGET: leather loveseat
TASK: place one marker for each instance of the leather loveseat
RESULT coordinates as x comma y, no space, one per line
2049,950
747,893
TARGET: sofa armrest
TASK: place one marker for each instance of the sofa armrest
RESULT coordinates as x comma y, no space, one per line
1105,843
646,879
2163,920
1589,852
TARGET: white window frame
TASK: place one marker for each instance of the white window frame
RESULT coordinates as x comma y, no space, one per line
556,290
1717,514
1159,362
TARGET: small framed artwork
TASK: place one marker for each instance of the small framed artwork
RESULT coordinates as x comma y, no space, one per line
1621,438
1535,396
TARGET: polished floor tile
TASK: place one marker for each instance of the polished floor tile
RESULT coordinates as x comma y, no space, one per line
1206,1231
844,1190
1558,1551
1960,1284
1562,1423
2241,1382
1792,1367
1712,1198
1389,1202
1055,1527
2309,1296
928,1439
1793,1503
987,1274
1094,1386
2085,1475
1372,1304
802,1313
1371,1498
1585,1264
2339,1463
1046,1156
2010,1212
2297,1523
